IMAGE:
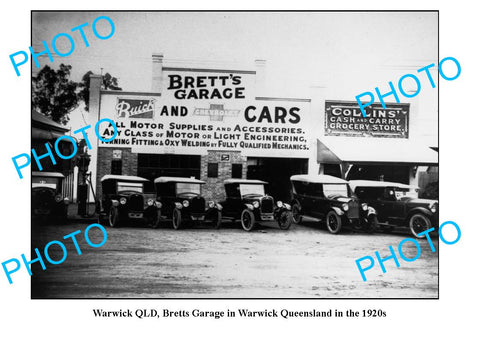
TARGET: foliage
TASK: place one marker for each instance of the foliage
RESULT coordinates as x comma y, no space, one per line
108,83
54,94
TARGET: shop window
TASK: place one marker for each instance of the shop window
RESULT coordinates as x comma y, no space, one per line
237,170
116,167
212,170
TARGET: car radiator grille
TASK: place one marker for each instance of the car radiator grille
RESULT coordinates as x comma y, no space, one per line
135,203
43,198
353,209
197,205
267,205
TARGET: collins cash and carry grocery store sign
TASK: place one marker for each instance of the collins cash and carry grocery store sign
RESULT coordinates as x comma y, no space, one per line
344,118
201,111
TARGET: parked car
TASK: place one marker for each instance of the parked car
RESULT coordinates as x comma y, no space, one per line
398,204
182,202
124,200
47,198
246,201
331,200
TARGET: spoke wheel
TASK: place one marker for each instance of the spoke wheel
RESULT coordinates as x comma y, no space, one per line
177,219
296,215
285,220
216,221
418,223
247,219
334,222
113,218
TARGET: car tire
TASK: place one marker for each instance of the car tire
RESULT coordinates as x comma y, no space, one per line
216,219
101,219
372,224
296,213
247,218
419,222
113,217
177,219
333,222
285,219
152,219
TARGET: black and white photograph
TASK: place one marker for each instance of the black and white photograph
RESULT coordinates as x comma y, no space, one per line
235,154
237,171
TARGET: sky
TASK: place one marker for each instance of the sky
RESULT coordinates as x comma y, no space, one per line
346,52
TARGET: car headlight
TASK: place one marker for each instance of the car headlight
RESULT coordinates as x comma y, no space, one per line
279,204
123,200
433,208
364,206
219,206
58,198
178,205
66,200
150,202
211,204
345,207
287,206
186,203
158,204
256,204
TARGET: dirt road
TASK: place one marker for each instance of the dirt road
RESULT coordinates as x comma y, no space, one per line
303,262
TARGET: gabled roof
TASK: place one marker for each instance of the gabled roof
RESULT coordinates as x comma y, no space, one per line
166,179
124,178
318,179
244,181
47,174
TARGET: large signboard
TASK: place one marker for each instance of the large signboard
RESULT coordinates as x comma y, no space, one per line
344,118
200,111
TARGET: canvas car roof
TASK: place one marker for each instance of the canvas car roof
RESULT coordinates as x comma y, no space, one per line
166,179
318,179
244,181
124,178
379,184
47,174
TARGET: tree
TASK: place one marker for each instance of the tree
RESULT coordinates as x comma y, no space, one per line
108,83
54,94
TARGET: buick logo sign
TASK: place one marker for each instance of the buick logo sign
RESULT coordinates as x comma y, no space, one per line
135,108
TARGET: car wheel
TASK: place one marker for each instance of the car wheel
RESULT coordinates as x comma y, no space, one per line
247,219
285,219
152,219
372,224
296,215
418,223
177,219
333,222
216,219
101,219
113,218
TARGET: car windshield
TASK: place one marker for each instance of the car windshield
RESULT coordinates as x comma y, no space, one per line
335,190
405,194
44,182
252,189
188,187
126,186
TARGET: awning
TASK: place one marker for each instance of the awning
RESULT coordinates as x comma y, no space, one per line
335,150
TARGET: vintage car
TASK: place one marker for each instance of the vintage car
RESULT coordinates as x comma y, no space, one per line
124,200
47,198
246,201
398,204
182,202
331,200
